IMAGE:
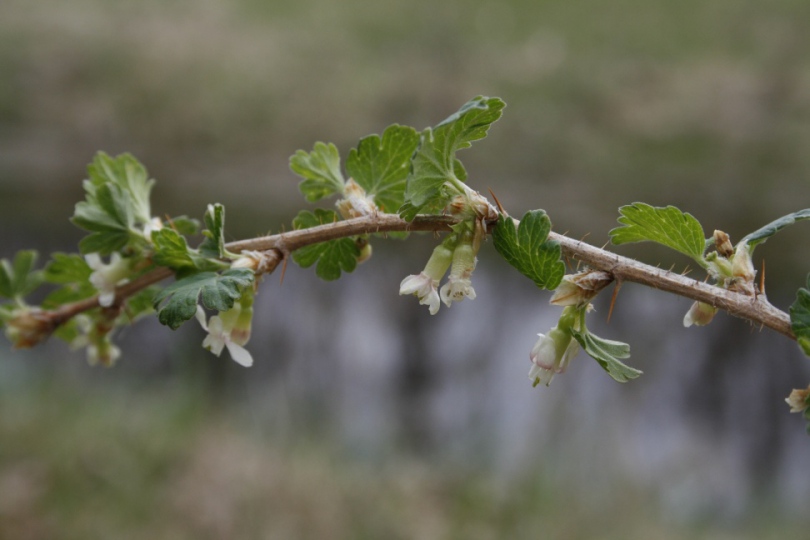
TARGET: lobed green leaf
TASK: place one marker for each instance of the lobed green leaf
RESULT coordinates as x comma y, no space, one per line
331,257
215,291
667,226
172,250
381,165
762,234
800,318
129,175
214,244
18,277
607,353
320,170
435,163
528,249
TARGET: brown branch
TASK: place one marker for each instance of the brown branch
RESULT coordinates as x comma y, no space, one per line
755,309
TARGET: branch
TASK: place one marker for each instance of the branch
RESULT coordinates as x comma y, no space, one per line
755,309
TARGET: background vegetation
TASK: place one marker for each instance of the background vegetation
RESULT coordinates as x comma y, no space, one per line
413,429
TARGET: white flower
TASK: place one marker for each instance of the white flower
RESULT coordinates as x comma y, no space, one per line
154,224
458,285
219,330
425,284
106,277
423,287
551,355
798,400
103,352
699,314
456,289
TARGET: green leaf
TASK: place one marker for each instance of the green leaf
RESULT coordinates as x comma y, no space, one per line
214,244
320,170
18,277
528,250
71,271
760,235
668,226
381,165
607,353
435,163
67,268
116,204
128,174
216,291
185,225
331,257
172,251
800,318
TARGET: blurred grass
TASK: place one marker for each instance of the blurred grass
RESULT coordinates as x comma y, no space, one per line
80,463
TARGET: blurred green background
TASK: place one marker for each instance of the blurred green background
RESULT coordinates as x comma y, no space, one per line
365,418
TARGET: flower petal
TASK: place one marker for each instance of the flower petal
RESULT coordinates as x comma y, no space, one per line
239,354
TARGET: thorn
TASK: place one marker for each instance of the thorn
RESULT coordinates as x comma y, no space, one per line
498,203
613,298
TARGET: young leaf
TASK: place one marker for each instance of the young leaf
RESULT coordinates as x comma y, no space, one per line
760,235
172,251
185,225
216,291
435,163
333,256
214,244
71,271
668,226
528,250
18,277
381,165
607,353
129,175
320,170
800,318
107,215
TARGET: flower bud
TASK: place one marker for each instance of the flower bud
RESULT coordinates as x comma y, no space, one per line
355,202
700,314
722,244
579,289
799,400
28,327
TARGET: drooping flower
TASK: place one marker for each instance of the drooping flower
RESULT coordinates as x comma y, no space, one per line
551,355
798,399
425,284
224,332
424,288
459,285
700,314
106,277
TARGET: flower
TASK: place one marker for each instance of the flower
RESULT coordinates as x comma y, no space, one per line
551,354
103,352
700,314
458,285
456,289
106,277
224,332
423,287
425,284
798,400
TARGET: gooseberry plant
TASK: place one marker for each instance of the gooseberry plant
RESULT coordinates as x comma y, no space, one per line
390,185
